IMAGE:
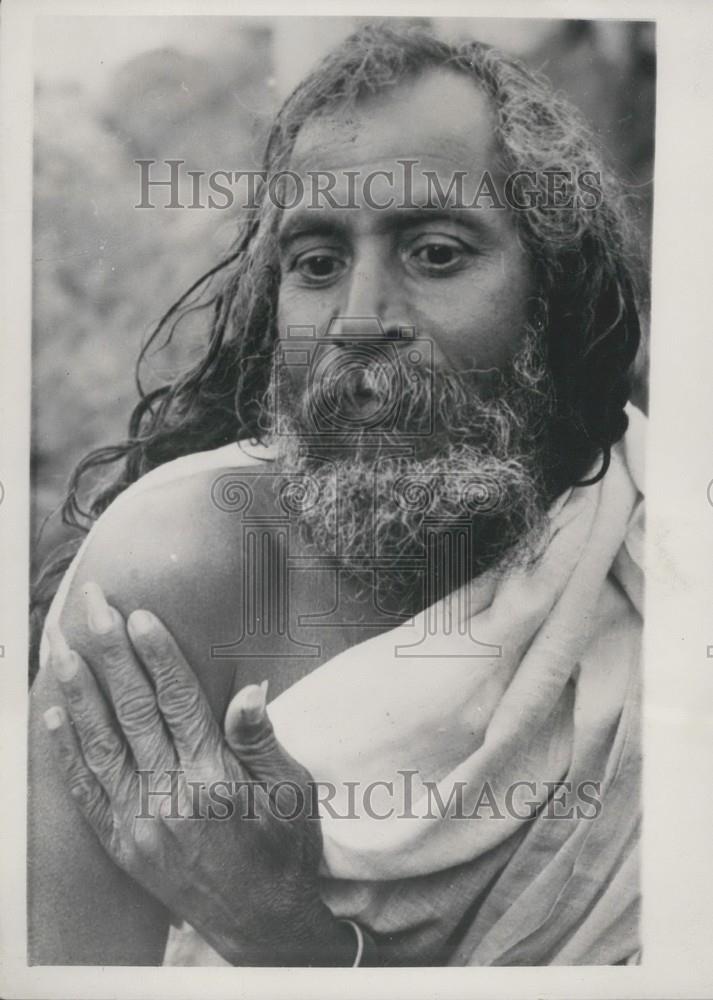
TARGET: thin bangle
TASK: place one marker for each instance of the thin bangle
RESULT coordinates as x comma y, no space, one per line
360,940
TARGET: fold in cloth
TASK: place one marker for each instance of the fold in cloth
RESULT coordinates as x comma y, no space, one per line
537,681
565,707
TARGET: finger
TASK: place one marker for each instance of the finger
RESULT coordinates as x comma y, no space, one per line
251,737
103,749
132,693
181,701
81,783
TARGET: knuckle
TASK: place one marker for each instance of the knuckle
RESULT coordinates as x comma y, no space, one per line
81,787
101,749
137,710
257,741
182,701
153,749
66,754
76,696
114,650
90,799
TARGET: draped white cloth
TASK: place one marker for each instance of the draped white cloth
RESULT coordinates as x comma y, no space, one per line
536,682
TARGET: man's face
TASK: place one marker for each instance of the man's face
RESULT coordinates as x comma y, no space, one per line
458,277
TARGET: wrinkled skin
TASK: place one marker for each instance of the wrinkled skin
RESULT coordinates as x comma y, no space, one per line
251,891
238,878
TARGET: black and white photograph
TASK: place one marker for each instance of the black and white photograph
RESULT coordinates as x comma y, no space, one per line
342,608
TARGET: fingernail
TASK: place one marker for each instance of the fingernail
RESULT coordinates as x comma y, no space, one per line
140,622
99,615
53,718
253,702
64,662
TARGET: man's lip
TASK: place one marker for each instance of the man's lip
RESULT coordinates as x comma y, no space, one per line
361,396
360,404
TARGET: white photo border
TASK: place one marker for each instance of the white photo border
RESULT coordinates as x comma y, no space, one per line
678,644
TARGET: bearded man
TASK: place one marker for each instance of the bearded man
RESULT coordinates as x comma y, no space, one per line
399,486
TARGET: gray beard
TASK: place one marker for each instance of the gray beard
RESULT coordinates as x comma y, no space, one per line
453,488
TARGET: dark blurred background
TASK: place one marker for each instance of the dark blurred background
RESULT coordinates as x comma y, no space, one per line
112,90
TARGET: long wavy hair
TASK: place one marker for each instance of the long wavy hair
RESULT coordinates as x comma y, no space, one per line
581,257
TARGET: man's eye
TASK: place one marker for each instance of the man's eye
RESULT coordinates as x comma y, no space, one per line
318,267
440,257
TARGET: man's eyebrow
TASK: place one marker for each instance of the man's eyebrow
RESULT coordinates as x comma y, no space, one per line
321,222
471,218
307,222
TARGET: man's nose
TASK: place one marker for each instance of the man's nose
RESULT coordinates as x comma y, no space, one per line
373,304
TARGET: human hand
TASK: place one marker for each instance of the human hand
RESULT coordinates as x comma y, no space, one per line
235,845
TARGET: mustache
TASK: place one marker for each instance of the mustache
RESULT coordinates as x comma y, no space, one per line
355,394
479,465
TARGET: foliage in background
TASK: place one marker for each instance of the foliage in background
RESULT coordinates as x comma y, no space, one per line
105,271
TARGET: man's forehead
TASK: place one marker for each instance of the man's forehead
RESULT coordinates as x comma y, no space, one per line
441,116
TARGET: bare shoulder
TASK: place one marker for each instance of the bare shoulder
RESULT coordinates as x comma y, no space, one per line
174,548
170,534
